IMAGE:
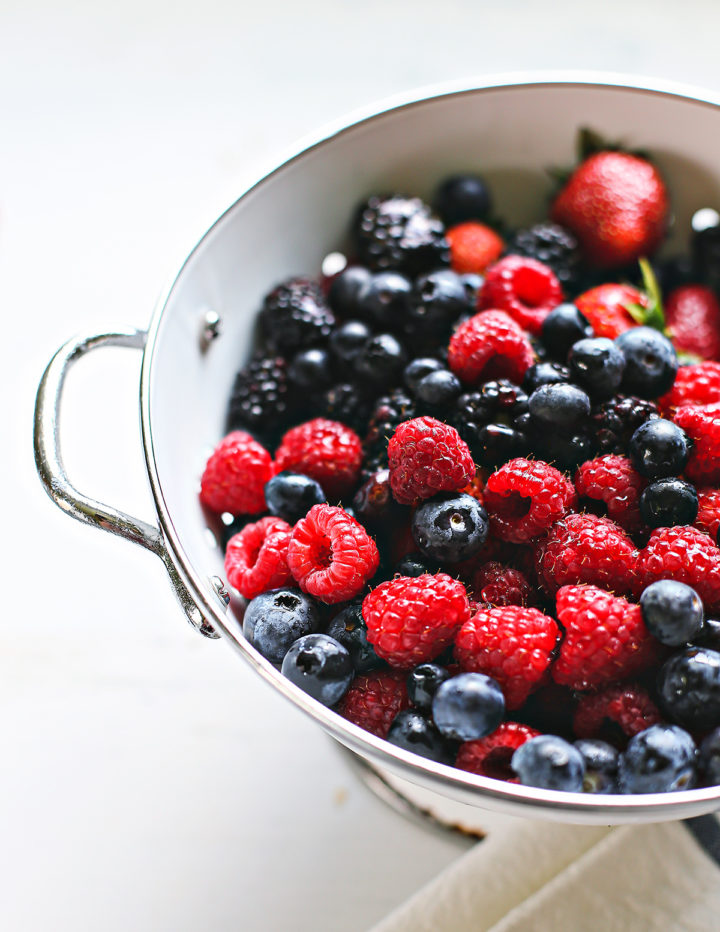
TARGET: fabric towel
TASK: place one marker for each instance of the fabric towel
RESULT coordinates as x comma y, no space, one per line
529,876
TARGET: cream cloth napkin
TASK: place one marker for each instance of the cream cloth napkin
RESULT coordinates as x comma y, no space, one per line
544,877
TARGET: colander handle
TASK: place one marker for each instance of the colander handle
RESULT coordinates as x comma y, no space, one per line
55,480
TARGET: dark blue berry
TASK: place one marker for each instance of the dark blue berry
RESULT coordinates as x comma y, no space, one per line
345,290
462,197
290,495
417,369
545,373
321,666
385,300
661,759
689,688
349,629
559,405
565,450
672,612
348,339
563,327
495,444
473,283
438,390
601,762
310,369
668,502
374,502
651,362
412,731
709,758
598,365
423,682
659,449
274,620
468,706
450,527
437,300
550,763
415,564
381,361
709,634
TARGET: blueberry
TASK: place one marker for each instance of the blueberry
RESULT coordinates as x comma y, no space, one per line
598,365
473,283
495,444
438,390
417,369
310,369
385,299
374,501
563,327
450,527
346,289
462,197
709,757
437,300
468,706
672,612
659,449
321,666
544,373
275,619
565,450
601,762
412,731
651,362
290,495
668,502
709,634
559,405
689,688
423,682
661,759
381,361
415,564
348,339
349,629
550,763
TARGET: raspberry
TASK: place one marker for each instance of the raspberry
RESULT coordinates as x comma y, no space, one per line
324,450
702,425
256,558
425,457
708,517
527,289
235,476
413,619
490,757
686,555
613,481
473,246
587,549
525,497
605,638
694,385
490,346
513,645
374,699
628,707
331,555
496,584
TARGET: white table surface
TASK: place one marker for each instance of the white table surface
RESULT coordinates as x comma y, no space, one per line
148,780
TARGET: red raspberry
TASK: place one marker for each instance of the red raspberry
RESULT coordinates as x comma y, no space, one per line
496,584
235,476
374,699
413,619
702,425
490,346
612,480
686,555
327,451
513,645
525,497
694,385
605,638
627,706
331,555
473,246
708,518
490,757
426,456
587,549
526,288
256,558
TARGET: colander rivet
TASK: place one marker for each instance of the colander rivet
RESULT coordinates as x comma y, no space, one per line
210,329
219,587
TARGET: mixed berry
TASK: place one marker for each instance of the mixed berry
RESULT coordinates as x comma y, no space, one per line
470,485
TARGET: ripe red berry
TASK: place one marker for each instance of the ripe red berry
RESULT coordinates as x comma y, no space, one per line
327,451
491,756
605,638
698,384
525,497
686,555
627,707
256,557
331,555
426,456
527,289
413,619
605,306
473,246
496,584
235,476
374,699
708,516
702,425
613,481
692,314
490,346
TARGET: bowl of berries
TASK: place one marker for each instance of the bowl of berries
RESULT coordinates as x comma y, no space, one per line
448,468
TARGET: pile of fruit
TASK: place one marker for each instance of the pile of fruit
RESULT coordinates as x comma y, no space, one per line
471,484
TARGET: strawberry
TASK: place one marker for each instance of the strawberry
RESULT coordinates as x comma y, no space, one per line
616,204
606,308
473,246
693,318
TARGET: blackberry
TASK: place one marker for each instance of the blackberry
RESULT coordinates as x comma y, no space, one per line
400,233
294,316
259,398
553,245
616,420
342,402
487,420
390,411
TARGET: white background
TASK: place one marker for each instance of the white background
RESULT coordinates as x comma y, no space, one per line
147,780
